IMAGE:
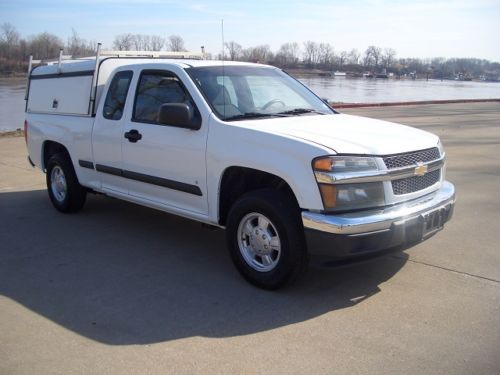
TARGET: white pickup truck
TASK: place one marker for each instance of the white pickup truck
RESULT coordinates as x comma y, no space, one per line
239,146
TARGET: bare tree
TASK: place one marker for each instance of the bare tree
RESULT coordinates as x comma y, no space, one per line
92,45
45,46
342,59
288,54
176,43
9,34
325,55
9,39
234,50
388,57
377,55
372,57
74,43
142,42
146,43
137,42
123,42
310,52
263,53
354,57
78,47
260,54
157,42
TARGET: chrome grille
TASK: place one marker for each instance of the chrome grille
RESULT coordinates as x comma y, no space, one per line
411,158
415,183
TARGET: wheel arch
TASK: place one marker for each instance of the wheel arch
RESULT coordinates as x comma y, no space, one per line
238,180
50,148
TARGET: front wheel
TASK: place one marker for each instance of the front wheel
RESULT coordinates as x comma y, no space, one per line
65,192
266,238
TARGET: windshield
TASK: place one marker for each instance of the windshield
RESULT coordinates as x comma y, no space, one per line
251,92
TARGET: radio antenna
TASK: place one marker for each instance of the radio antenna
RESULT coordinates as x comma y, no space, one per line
223,58
222,36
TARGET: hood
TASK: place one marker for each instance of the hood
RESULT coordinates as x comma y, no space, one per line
347,134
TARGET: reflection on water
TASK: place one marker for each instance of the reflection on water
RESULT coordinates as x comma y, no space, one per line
11,103
337,89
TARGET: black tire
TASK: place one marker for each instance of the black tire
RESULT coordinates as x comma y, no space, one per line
69,196
284,222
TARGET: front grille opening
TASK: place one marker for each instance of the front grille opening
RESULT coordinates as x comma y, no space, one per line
411,158
415,183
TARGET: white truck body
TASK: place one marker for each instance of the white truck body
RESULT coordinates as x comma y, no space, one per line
181,170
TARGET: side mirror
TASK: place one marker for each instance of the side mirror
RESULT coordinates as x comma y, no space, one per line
179,115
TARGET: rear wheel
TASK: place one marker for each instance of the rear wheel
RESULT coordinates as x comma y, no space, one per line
266,238
65,192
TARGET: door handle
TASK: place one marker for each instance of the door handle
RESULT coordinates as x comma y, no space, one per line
133,136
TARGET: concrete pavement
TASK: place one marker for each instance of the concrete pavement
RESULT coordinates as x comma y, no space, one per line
119,288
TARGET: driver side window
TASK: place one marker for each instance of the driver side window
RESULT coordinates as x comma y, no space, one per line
155,89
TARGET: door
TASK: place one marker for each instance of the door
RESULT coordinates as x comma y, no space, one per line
107,134
164,164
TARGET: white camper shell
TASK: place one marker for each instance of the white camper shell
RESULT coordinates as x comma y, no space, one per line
61,88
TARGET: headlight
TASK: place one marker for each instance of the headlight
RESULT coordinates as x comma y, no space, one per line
348,196
352,196
440,147
345,164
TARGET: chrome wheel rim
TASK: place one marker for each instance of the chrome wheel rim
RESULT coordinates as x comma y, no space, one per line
259,242
58,184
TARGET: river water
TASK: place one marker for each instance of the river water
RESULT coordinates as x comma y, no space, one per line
338,89
364,90
11,103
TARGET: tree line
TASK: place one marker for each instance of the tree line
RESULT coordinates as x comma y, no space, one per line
374,60
15,50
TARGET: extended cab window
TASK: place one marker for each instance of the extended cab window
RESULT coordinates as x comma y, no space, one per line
156,89
117,94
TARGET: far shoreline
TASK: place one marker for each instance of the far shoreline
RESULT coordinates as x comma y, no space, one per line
416,102
11,133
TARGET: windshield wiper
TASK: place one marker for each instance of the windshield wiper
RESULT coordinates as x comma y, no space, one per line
299,111
249,115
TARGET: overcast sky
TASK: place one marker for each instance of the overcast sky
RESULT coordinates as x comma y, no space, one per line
420,28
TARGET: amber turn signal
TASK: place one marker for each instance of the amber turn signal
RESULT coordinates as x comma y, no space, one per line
329,195
323,164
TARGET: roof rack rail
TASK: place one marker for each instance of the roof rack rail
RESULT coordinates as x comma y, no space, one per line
156,54
111,53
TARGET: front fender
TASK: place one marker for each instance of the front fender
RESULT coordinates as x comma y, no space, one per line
283,156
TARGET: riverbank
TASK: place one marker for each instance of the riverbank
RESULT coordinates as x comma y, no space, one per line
13,133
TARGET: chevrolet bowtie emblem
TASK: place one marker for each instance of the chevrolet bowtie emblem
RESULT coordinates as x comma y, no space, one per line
420,170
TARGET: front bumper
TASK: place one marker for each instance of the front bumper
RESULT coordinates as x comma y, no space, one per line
356,234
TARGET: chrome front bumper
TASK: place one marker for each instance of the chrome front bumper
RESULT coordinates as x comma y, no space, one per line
369,231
